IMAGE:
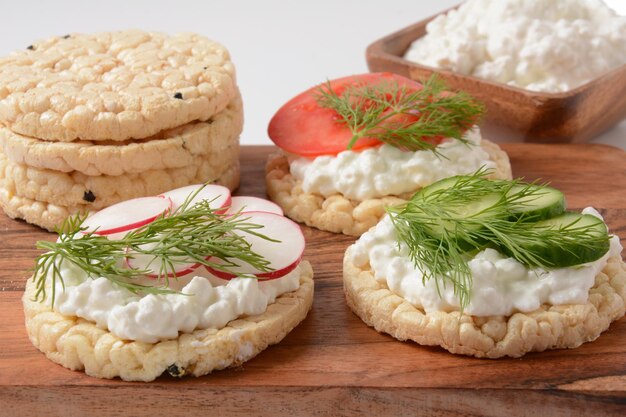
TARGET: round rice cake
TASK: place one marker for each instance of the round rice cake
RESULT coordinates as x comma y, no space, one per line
337,213
50,216
172,148
75,188
113,85
78,344
549,327
41,214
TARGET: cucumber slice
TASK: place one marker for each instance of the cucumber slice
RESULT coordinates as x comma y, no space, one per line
443,184
473,212
536,202
582,238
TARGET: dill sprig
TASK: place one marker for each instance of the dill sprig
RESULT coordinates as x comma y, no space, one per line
195,233
400,116
444,229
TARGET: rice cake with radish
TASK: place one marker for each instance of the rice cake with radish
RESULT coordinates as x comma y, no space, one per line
194,354
149,350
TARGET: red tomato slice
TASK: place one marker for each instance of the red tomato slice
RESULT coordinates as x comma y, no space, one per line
302,127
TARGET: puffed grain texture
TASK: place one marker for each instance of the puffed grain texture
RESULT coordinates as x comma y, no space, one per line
78,344
549,327
337,213
75,188
174,148
113,85
49,215
45,215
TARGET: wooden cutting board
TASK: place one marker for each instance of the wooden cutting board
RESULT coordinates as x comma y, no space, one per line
333,364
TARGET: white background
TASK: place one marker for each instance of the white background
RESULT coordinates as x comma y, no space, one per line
280,48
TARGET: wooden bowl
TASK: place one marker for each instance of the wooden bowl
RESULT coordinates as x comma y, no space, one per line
515,114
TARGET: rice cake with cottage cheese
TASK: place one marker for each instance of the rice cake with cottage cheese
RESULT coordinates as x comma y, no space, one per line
78,344
113,86
337,213
50,215
174,148
548,327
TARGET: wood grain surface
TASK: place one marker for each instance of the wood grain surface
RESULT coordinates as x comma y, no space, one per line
333,364
577,115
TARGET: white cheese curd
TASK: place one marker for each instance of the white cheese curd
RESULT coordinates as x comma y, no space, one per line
500,285
206,302
547,45
386,170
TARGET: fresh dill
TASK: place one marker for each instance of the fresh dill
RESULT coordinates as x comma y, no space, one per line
443,228
195,233
403,117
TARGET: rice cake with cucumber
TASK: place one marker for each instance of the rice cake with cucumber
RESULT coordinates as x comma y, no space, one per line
354,145
121,294
88,120
488,269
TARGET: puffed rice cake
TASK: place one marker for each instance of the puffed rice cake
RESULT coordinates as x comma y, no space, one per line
173,148
79,344
88,120
96,192
337,213
113,86
50,216
549,327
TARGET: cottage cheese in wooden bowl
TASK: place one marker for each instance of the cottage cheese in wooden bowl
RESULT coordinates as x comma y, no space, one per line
550,46
548,71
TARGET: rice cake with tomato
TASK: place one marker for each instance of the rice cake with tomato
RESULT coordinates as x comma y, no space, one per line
306,130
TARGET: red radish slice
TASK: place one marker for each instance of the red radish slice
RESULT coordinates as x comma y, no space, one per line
127,215
264,276
218,195
283,256
149,262
248,203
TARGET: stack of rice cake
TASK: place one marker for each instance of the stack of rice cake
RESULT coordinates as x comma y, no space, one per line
90,120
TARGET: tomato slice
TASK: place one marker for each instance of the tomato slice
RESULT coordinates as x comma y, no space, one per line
304,128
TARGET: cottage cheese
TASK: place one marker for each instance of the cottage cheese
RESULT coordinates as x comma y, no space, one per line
386,170
500,285
206,302
548,45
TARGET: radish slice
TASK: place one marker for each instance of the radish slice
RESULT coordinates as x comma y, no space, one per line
247,203
283,256
127,215
144,261
218,195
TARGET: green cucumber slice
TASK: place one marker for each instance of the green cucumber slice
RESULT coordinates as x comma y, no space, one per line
443,184
536,201
582,238
473,214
